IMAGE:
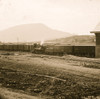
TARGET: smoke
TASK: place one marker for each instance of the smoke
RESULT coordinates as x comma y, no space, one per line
42,42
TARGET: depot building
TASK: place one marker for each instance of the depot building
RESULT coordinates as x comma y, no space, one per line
97,34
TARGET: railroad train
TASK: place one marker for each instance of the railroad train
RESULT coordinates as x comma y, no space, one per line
87,51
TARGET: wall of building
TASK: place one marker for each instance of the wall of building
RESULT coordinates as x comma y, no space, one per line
97,53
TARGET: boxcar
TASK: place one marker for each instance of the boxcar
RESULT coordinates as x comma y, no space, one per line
88,51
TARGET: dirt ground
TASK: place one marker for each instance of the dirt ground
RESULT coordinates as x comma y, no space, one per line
9,94
50,77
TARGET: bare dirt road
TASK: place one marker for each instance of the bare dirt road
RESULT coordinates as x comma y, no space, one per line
51,77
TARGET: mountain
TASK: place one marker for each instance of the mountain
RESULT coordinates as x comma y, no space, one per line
30,32
82,40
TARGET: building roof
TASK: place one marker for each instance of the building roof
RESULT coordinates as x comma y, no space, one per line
97,29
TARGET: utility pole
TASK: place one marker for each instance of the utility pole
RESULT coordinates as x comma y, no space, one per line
17,40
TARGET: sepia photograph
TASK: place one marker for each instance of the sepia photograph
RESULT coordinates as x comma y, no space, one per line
49,49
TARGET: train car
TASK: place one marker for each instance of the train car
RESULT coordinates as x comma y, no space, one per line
88,51
91,51
49,50
7,47
4,47
29,48
15,47
54,50
1,47
10,47
58,50
20,47
68,49
25,47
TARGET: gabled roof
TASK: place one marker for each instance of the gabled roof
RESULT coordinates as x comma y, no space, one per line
97,29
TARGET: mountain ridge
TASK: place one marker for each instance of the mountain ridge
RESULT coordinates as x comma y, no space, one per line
77,40
31,32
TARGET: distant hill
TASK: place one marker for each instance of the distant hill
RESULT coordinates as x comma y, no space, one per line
75,40
0,42
30,32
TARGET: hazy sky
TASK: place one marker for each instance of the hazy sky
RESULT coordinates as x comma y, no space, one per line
74,16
